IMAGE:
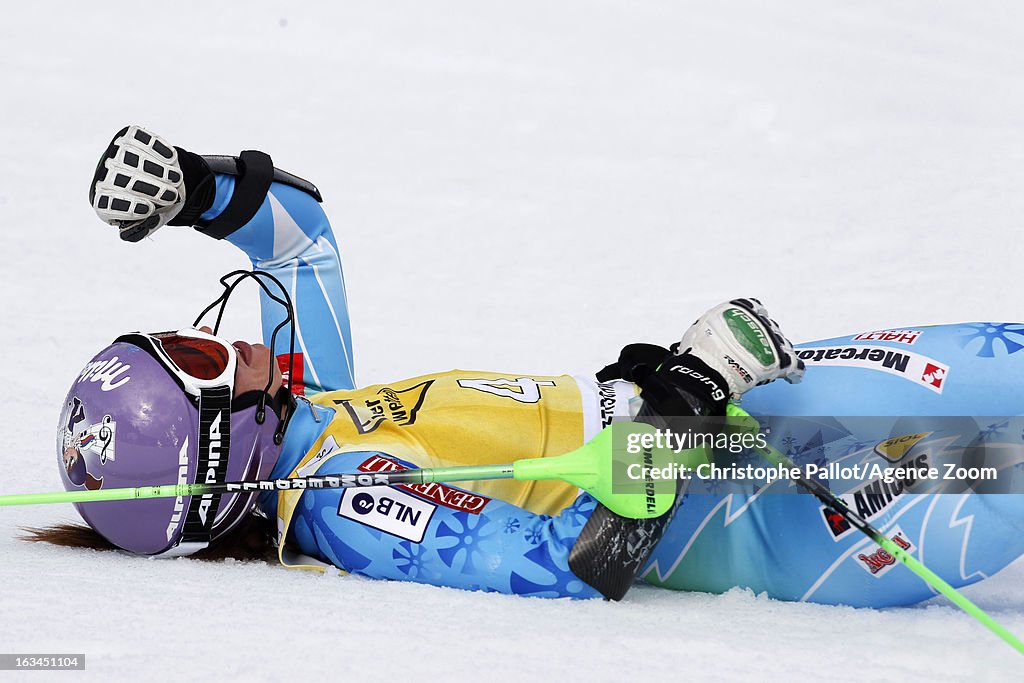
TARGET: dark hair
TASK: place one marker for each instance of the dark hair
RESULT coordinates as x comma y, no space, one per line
252,540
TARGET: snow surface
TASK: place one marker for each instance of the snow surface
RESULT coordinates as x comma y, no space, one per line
521,186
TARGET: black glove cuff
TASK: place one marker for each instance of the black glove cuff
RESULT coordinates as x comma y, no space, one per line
200,188
636,362
254,176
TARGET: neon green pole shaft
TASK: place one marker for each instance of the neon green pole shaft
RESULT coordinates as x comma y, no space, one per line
773,456
953,594
589,467
168,491
465,473
413,476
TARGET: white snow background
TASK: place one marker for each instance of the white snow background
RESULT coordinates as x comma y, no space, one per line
516,186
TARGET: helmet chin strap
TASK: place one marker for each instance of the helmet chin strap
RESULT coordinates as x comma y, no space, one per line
215,417
211,468
230,282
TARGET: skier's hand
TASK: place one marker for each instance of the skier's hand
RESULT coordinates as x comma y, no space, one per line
138,185
740,341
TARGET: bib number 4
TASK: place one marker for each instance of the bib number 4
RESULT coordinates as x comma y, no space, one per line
524,389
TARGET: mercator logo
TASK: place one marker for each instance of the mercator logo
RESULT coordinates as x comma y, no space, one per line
933,376
913,367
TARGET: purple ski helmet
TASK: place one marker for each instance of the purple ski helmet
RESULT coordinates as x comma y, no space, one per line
133,417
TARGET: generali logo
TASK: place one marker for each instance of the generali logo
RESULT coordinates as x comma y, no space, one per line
450,497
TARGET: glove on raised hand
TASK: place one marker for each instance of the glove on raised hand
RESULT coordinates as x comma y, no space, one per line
139,185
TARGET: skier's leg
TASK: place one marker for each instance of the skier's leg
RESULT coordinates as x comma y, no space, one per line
784,545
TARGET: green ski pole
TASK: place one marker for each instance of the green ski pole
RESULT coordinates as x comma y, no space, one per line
913,564
589,467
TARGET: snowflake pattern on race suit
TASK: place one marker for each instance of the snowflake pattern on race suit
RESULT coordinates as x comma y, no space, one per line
791,547
503,548
989,340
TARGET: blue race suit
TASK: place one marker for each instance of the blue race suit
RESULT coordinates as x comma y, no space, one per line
781,544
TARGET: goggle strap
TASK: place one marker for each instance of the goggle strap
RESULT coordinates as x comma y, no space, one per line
211,463
230,282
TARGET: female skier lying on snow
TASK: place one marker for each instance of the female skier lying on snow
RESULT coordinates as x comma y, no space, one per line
133,418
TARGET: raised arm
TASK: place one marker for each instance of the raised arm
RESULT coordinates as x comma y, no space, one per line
142,183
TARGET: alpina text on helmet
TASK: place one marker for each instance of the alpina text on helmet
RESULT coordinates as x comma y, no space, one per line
211,472
179,502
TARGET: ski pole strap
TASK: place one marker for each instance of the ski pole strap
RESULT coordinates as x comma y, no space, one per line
638,363
672,385
635,362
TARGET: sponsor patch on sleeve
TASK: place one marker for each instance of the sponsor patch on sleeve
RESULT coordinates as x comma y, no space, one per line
878,561
895,448
898,336
913,367
389,510
448,496
872,498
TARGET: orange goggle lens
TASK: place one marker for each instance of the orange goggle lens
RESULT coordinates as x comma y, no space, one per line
199,358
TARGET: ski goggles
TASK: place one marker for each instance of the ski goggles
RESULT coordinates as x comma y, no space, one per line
204,367
196,360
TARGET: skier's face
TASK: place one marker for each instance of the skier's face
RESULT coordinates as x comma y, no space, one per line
254,362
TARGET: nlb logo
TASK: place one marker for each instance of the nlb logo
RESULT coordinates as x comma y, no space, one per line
389,510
